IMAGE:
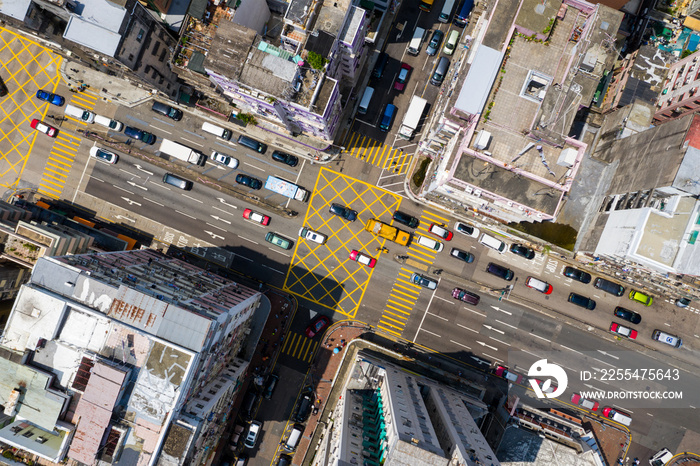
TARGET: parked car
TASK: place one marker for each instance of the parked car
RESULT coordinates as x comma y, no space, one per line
667,338
462,255
224,159
682,302
343,212
627,315
466,229
103,154
429,243
256,217
539,285
310,235
303,408
609,287
641,297
408,220
578,275
466,296
140,135
440,231
363,259
283,157
252,438
623,331
423,281
317,325
435,41
402,77
523,251
279,241
582,301
578,400
249,181
54,99
44,128
500,271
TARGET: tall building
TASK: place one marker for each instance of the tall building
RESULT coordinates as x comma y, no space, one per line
122,357
679,95
390,416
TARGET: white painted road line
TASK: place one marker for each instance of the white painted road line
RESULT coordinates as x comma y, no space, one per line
500,341
474,312
274,270
257,168
432,333
470,329
451,301
161,129
541,338
492,357
439,317
566,347
197,200
507,325
459,344
192,142
154,202
603,362
186,215
246,239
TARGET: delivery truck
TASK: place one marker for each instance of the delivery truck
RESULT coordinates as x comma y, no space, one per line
180,152
411,119
286,188
379,228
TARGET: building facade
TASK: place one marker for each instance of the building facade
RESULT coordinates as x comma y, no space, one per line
679,95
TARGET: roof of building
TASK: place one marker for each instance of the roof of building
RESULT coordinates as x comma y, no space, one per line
16,9
477,85
352,25
268,73
320,42
298,11
647,75
92,36
331,16
229,49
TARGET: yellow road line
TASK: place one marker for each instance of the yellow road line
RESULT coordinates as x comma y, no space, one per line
286,343
412,301
401,314
67,170
50,188
433,214
399,322
55,148
389,330
57,173
430,254
381,321
61,156
309,354
90,104
362,147
399,304
398,288
387,162
47,177
46,193
60,185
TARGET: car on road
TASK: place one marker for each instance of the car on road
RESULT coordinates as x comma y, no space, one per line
140,135
578,400
608,286
224,159
363,259
270,386
429,243
440,231
279,241
256,217
500,271
617,416
104,155
423,281
502,371
462,255
54,99
434,44
682,302
343,212
641,297
623,331
242,460
317,325
580,300
310,235
285,460
466,296
303,409
249,181
283,157
539,285
578,275
402,77
626,314
548,388
523,251
253,431
44,128
667,338
408,220
466,229
661,457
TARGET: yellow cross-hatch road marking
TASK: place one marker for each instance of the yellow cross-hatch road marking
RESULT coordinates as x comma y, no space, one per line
377,153
299,346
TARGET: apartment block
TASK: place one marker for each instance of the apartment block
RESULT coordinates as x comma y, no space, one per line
122,357
679,95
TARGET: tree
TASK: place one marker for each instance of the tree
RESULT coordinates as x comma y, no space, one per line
316,61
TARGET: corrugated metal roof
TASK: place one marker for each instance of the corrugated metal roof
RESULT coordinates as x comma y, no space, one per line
477,85
92,36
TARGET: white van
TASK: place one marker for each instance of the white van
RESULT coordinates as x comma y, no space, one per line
661,458
293,440
109,123
79,113
217,131
366,99
429,243
623,419
493,243
446,12
415,44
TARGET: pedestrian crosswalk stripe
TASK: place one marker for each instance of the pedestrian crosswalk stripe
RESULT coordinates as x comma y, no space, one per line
377,153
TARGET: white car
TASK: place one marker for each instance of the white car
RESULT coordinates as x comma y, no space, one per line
467,229
252,438
429,243
311,235
104,155
224,159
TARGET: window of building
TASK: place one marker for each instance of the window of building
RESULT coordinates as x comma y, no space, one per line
155,49
140,36
162,55
131,56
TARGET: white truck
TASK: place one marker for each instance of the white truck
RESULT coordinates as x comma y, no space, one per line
412,117
285,188
180,152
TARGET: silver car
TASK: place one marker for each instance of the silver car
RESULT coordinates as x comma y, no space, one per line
224,159
423,281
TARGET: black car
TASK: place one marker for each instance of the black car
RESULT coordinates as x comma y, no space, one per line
303,408
285,460
629,316
344,212
408,220
523,251
3,88
285,158
582,301
249,181
500,271
270,386
462,255
576,274
140,135
609,287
